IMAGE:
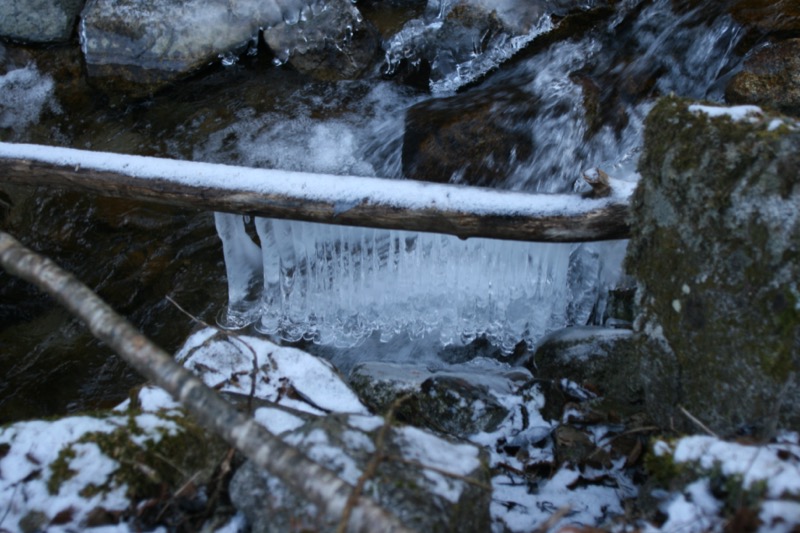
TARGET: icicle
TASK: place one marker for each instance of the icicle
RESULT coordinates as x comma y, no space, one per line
243,268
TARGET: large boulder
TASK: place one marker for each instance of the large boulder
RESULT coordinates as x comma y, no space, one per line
140,46
39,21
716,252
770,77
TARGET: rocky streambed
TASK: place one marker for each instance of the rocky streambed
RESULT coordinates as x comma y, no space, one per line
596,426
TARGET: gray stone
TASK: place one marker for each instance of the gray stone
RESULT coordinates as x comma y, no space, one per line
140,45
462,400
39,21
422,478
716,252
143,44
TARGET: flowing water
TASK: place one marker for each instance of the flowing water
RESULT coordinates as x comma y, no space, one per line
340,286
354,293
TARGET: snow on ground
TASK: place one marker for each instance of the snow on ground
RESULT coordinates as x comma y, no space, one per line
32,453
287,376
51,481
769,472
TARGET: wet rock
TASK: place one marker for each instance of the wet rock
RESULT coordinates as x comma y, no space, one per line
770,77
462,400
334,43
600,360
453,44
715,244
39,21
412,481
52,365
139,46
781,17
475,138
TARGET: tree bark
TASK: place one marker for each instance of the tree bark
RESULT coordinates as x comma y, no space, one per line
302,475
345,200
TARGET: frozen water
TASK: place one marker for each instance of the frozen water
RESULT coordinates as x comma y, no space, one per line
340,286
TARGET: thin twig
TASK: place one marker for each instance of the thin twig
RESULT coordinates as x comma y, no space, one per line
229,335
553,520
697,422
175,494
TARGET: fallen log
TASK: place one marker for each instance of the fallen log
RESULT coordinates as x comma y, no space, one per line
297,471
346,200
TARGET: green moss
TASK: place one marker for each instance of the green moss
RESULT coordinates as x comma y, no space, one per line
60,470
150,464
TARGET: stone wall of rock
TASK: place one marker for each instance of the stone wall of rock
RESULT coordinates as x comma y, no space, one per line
39,21
716,252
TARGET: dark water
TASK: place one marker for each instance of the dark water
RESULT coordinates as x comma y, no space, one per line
133,255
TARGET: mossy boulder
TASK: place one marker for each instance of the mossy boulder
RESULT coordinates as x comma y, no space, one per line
145,464
715,249
745,486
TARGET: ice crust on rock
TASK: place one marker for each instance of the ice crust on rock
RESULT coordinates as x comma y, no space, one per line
177,36
24,95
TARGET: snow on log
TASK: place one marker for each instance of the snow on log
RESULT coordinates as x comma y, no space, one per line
346,200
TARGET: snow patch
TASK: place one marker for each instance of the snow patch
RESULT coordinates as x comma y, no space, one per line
24,95
751,113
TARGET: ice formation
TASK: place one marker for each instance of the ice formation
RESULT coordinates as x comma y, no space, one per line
338,285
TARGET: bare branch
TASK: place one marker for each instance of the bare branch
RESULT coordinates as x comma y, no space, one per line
345,200
319,485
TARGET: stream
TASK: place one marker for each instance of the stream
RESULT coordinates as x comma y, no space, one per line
569,101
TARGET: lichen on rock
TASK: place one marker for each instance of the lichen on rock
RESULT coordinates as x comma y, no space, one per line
716,252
